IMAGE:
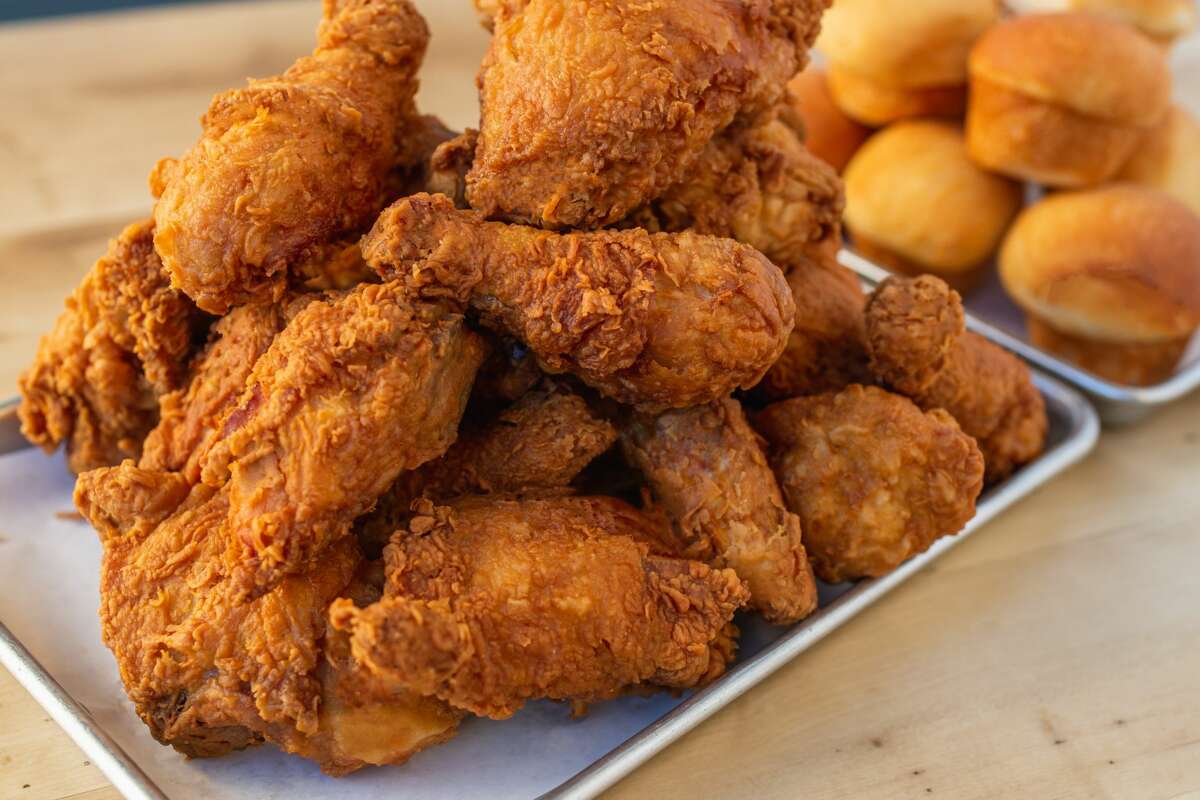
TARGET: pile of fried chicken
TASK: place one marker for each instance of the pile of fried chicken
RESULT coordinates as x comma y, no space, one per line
383,426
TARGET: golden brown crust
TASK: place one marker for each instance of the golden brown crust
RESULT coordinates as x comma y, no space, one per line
920,348
294,161
757,184
826,350
905,43
706,469
1015,134
828,132
913,191
122,342
492,602
541,442
878,104
1126,363
654,320
873,478
1116,264
590,110
1079,62
355,389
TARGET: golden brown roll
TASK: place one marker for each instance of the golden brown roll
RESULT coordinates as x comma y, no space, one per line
1162,20
1063,99
1169,159
877,104
828,132
1109,278
916,203
896,59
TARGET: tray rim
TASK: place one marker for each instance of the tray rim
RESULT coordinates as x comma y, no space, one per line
1116,402
1083,430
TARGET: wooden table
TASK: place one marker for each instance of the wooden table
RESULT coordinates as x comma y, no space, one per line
1056,655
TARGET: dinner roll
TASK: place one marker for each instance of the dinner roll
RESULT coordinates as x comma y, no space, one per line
1109,278
1169,159
905,43
876,104
1063,99
1163,20
895,59
916,203
828,132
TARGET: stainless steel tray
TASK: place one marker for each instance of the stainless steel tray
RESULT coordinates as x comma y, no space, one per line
993,315
1074,428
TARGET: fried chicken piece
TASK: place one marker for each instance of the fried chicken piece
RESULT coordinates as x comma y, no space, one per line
539,443
705,467
492,602
873,478
295,161
826,351
919,346
209,674
355,390
591,109
449,165
123,340
654,320
760,185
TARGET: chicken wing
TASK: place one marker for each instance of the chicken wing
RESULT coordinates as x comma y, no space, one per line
826,351
706,468
758,184
492,602
656,320
873,478
209,674
591,109
354,390
123,340
294,161
541,442
919,346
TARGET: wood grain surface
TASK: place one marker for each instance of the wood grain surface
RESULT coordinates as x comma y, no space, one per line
1055,655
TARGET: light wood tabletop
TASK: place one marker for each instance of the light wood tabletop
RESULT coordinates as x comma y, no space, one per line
1055,655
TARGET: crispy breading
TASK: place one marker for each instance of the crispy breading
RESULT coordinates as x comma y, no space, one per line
591,109
919,346
123,341
295,161
656,320
493,602
873,478
356,389
706,469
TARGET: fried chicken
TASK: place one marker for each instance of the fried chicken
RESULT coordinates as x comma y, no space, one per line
591,109
654,320
492,602
354,390
209,674
919,346
295,161
826,350
757,184
123,340
449,165
873,478
706,468
541,442
190,417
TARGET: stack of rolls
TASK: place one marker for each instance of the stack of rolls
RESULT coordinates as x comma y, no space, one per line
944,117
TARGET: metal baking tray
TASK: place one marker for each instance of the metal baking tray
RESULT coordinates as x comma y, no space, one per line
995,316
1073,432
